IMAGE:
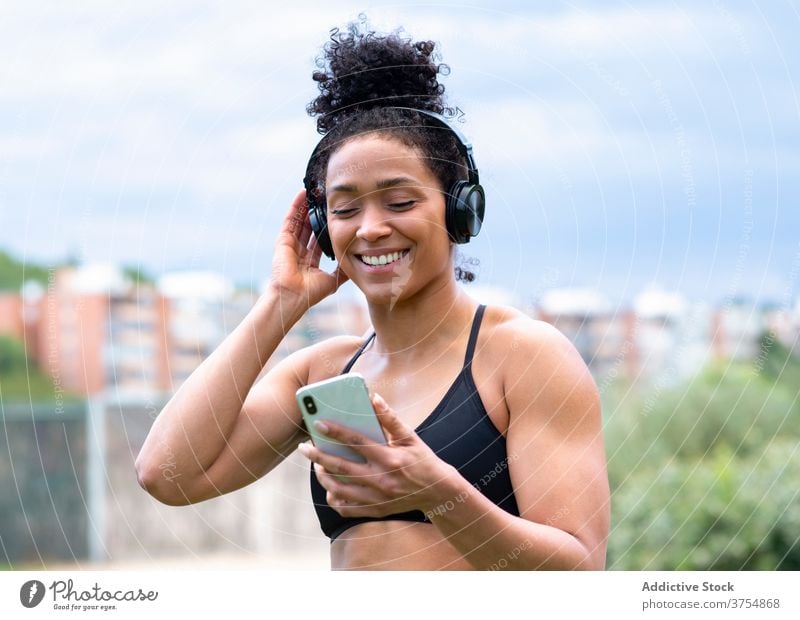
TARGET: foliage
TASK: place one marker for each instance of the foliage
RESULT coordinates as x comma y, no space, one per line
720,512
20,379
703,475
137,275
12,355
13,273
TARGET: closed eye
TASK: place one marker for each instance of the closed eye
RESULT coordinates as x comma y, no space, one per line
396,205
341,211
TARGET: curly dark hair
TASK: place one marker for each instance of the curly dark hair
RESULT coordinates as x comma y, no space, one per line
363,76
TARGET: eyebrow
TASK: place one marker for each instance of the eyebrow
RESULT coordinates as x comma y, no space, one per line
382,184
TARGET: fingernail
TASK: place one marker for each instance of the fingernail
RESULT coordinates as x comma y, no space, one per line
380,401
321,427
303,448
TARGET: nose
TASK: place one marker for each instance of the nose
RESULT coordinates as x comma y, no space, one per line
373,224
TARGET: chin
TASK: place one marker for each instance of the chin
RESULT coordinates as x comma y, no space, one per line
385,297
388,291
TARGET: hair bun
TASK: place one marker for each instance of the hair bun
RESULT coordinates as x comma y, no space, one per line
363,70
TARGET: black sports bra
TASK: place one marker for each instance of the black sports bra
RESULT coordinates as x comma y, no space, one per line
460,432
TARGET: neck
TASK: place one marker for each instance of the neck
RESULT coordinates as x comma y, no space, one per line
430,320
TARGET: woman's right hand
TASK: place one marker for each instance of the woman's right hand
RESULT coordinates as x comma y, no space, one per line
296,275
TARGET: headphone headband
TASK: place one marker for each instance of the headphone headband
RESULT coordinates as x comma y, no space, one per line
464,145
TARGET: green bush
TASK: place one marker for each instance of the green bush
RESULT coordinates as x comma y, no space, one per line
12,272
12,356
737,405
721,512
20,379
704,475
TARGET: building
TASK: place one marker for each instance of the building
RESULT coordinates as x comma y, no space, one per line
672,336
96,330
737,330
197,316
602,334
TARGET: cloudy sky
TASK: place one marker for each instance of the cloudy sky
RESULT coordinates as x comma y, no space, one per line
621,144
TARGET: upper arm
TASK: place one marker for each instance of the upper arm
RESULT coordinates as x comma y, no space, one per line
555,445
268,429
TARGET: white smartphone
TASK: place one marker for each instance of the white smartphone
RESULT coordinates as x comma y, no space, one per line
344,400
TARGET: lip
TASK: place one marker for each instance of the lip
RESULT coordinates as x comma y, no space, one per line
388,267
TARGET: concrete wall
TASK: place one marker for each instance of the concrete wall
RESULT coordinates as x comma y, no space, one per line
79,500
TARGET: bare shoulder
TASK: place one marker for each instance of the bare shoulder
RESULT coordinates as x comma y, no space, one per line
318,361
328,357
514,331
539,364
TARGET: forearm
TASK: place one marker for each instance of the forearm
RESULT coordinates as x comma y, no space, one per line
194,426
491,538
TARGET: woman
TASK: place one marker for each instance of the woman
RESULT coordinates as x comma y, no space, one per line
495,456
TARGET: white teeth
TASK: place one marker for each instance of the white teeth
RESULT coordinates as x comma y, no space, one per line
383,259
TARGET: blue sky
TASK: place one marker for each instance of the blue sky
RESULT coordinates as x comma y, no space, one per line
620,144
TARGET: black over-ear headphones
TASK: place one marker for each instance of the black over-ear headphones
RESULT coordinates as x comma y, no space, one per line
465,201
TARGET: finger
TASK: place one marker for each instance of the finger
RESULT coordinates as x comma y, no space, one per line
328,481
315,250
305,231
398,429
293,220
335,484
312,245
339,275
334,464
352,439
343,507
355,499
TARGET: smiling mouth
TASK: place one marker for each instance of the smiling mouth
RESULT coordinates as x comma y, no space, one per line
383,259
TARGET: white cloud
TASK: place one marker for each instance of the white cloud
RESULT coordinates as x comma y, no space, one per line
25,148
204,103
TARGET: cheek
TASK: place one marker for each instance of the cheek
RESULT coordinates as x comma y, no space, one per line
439,237
438,223
339,233
437,249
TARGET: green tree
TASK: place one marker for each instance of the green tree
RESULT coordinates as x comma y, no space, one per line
14,273
703,475
21,380
720,512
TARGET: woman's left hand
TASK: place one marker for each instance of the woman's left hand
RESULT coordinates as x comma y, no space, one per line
403,475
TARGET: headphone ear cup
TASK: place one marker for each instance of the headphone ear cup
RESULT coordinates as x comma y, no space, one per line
466,204
319,226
